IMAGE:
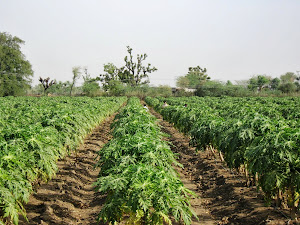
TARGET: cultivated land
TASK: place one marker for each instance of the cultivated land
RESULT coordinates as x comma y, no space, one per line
35,133
223,195
70,198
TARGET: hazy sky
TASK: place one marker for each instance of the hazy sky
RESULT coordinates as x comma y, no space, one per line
233,39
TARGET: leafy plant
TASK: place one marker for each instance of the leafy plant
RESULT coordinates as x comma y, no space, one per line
35,133
137,173
258,134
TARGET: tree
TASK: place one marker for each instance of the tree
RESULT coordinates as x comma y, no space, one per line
229,83
112,73
133,73
288,77
210,88
15,70
76,75
46,84
288,87
195,77
288,82
60,88
275,83
258,82
182,82
90,86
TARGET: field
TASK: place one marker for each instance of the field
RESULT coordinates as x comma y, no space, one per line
236,147
35,133
260,136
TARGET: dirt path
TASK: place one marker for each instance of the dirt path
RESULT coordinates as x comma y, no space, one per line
70,198
224,197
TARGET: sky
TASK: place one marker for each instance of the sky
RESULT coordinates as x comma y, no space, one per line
233,40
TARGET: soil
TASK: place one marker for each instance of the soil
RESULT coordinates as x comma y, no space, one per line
222,196
70,198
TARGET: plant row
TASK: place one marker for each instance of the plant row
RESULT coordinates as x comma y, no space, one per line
137,173
248,134
34,134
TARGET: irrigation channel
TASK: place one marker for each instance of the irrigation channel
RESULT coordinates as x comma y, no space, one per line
223,197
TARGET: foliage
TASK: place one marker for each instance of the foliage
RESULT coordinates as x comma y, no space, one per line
137,173
144,90
182,82
195,77
218,89
288,87
35,133
15,70
134,73
261,134
288,77
258,83
110,78
90,86
288,83
60,88
274,84
161,90
210,88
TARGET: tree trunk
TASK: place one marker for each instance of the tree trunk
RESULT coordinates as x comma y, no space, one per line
71,89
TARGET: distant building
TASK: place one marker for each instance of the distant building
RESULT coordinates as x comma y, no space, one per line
190,89
176,89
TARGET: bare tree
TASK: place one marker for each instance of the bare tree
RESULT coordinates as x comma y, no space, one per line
76,75
46,83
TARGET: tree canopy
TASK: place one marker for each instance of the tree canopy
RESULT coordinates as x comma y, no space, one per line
257,83
133,73
90,86
15,70
195,77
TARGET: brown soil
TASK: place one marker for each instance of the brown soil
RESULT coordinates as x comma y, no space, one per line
224,197
70,198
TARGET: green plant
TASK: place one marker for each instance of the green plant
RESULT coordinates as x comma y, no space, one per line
35,133
137,173
258,134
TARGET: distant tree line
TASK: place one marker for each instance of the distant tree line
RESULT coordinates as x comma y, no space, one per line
132,78
16,75
263,85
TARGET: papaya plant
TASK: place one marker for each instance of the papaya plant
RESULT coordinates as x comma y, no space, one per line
137,173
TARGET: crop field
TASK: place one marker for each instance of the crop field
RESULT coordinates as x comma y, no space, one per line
259,135
137,172
197,160
35,133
